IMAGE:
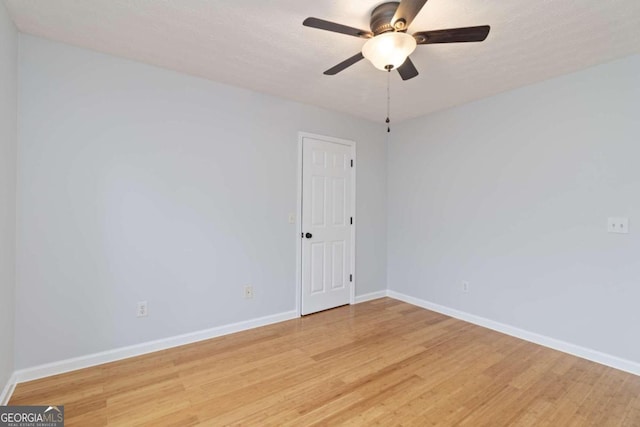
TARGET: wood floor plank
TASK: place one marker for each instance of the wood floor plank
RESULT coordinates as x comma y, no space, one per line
382,362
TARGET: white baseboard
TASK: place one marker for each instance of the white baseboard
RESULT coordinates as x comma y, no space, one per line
7,391
370,296
75,363
575,350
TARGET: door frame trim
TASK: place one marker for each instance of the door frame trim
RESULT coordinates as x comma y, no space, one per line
352,144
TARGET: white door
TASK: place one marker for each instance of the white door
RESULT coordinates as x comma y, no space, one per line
327,173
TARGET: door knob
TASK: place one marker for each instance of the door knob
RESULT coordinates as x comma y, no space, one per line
308,235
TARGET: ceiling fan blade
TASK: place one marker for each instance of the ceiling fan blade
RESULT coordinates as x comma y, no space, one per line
407,70
344,64
321,24
407,11
453,35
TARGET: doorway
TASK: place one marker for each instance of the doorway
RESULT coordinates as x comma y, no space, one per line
326,212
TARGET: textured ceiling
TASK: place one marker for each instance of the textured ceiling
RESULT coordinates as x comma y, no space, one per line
262,45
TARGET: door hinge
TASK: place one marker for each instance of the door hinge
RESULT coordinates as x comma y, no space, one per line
351,162
351,277
351,220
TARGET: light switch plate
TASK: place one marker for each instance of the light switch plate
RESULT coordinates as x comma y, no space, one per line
292,218
618,225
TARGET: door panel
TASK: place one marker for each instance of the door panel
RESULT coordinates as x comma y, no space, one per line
318,199
326,213
339,193
317,267
338,258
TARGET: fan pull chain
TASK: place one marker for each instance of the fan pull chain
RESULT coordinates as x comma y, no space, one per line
388,98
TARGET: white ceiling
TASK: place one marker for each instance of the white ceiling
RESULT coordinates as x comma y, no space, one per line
262,45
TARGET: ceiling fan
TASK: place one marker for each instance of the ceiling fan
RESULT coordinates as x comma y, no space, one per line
388,46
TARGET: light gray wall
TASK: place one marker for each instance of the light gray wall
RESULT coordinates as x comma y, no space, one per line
512,194
137,183
8,140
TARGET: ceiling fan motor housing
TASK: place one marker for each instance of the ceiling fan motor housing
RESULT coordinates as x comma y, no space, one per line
381,17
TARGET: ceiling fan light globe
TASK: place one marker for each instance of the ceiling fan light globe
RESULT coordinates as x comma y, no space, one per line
390,48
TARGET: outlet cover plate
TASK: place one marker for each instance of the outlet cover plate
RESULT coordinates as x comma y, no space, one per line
248,291
142,310
618,225
465,286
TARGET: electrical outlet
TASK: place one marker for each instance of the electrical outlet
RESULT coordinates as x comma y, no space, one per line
465,286
248,291
618,225
142,309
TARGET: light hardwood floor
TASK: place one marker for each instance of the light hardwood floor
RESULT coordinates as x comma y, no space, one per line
383,362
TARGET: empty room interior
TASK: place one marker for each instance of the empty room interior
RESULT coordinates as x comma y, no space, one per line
298,213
